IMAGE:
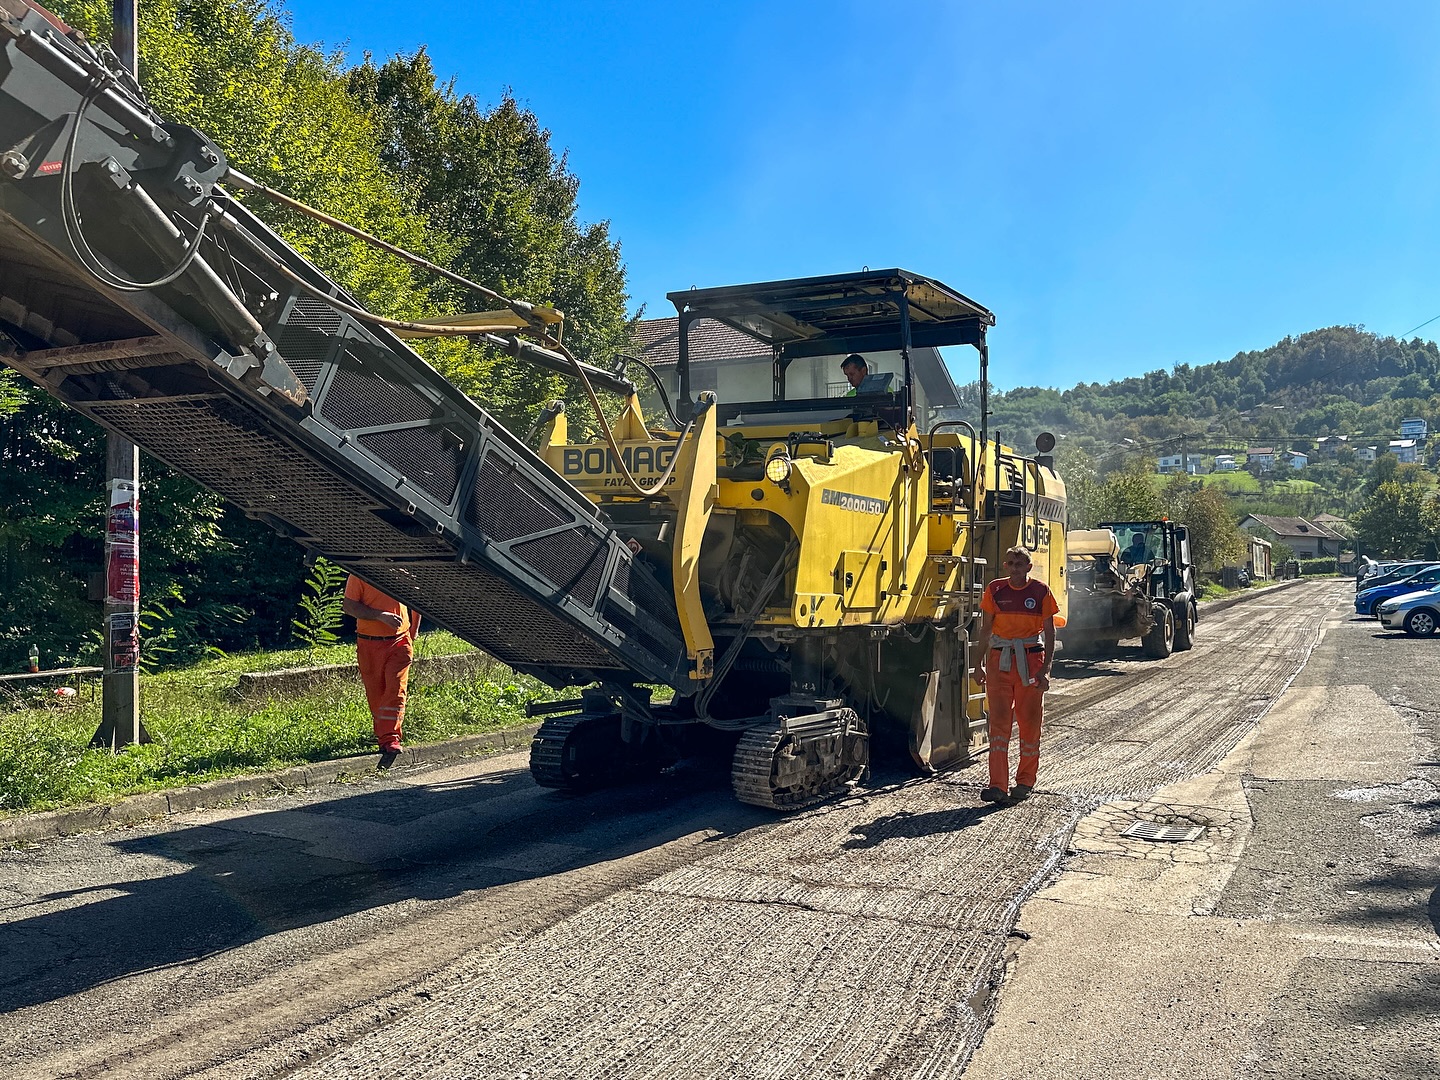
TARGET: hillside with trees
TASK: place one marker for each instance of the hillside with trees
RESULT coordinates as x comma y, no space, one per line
1342,380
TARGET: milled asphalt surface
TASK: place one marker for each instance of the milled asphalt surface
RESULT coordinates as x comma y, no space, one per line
460,922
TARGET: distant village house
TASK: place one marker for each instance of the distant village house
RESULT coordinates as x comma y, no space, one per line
1406,451
1261,458
1171,463
1308,539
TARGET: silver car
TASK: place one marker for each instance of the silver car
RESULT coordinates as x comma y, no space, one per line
1417,613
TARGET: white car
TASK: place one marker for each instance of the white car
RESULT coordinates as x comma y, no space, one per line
1417,613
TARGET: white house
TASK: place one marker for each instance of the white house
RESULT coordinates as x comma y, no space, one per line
1171,463
1297,460
1365,454
1405,450
1224,462
1307,539
1262,457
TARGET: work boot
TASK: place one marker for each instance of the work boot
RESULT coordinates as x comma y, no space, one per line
1020,792
389,753
995,795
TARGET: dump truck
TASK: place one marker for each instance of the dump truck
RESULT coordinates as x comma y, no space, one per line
1127,580
784,579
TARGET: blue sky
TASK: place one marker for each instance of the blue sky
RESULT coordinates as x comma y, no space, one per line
1126,185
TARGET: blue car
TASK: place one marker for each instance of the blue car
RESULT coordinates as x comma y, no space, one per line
1366,600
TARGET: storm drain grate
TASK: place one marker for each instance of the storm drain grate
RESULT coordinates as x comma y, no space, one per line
1153,830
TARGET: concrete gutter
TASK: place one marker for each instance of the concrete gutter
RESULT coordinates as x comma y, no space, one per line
155,805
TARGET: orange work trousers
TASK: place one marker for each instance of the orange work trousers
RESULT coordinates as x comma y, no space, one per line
1013,704
384,672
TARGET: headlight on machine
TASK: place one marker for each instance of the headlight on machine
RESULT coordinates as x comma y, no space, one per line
777,469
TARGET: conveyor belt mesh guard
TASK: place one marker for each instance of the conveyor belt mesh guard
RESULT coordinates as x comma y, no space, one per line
337,434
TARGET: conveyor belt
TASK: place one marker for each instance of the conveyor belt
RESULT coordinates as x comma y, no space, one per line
329,429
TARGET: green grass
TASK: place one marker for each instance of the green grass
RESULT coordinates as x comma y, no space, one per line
201,732
1232,483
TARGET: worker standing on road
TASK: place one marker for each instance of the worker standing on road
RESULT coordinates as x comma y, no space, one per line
385,630
1017,646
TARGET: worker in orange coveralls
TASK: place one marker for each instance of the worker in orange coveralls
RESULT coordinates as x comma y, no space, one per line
385,629
1017,643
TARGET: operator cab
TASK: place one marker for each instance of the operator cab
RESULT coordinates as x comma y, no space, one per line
811,325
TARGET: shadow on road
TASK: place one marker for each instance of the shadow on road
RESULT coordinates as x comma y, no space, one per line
915,826
194,891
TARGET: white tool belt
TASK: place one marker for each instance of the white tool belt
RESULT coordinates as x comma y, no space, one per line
1011,650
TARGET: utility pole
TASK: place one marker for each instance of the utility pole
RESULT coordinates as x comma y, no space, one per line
120,724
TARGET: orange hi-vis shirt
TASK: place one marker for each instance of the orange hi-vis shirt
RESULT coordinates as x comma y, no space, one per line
1018,613
357,590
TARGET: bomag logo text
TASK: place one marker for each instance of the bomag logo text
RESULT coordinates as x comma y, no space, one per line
600,462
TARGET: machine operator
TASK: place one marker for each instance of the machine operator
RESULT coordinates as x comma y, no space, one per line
854,368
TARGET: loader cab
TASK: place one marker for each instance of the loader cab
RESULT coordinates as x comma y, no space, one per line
1156,553
810,325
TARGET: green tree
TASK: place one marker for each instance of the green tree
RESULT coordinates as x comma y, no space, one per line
1127,496
1400,520
1215,539
1077,470
489,179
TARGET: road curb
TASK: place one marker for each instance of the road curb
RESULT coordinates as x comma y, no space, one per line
156,805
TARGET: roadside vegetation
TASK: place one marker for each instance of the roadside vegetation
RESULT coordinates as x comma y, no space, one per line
201,731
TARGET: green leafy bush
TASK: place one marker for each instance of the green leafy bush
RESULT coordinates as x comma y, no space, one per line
321,606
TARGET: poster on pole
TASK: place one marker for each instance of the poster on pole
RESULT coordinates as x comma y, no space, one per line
122,575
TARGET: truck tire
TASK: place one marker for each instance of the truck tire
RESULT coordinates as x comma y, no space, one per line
1160,642
1184,627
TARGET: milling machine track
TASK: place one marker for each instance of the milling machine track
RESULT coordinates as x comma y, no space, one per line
806,761
582,751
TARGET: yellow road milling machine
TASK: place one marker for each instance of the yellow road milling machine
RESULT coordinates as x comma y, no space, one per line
824,554
791,576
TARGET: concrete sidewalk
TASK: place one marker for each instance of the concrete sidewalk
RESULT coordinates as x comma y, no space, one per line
1299,936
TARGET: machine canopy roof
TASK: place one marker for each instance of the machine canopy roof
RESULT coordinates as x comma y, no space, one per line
842,313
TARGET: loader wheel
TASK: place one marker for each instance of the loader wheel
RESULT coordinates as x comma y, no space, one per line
1160,642
1184,628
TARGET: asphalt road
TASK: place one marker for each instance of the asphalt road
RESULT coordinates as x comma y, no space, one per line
460,922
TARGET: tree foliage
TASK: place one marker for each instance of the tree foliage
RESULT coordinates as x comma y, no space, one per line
1401,520
1127,496
1215,539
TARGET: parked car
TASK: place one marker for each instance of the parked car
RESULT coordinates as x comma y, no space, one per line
1382,573
1367,599
1417,613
